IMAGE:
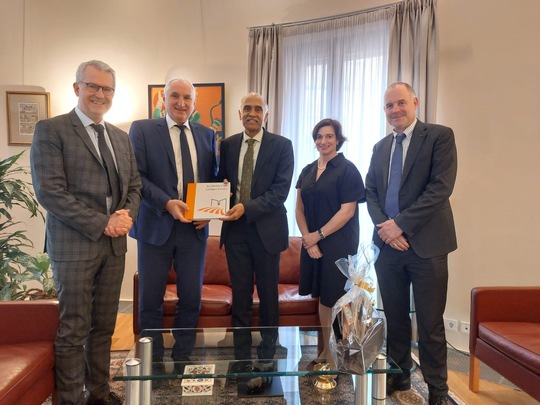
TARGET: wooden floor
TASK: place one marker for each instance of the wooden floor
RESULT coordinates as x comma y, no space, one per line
123,333
490,393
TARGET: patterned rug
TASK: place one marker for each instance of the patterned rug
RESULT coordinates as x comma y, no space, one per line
298,390
418,394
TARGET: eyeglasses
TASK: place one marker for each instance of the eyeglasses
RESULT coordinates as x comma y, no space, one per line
94,88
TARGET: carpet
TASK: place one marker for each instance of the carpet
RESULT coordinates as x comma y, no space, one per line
418,394
298,390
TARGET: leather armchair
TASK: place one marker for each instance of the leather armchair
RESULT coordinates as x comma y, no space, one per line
505,335
27,351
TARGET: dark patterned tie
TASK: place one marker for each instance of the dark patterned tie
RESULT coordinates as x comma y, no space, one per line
396,167
187,165
247,173
110,168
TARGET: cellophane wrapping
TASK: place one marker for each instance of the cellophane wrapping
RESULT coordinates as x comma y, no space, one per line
362,329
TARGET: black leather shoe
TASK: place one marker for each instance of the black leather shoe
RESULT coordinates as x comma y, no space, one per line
112,400
242,366
264,365
437,399
180,361
181,357
258,384
158,367
397,382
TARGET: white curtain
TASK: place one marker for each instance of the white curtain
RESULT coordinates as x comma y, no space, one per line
339,68
335,69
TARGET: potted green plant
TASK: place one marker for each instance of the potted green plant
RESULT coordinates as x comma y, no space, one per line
17,266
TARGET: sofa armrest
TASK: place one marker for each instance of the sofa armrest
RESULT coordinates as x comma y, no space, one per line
289,265
28,321
510,304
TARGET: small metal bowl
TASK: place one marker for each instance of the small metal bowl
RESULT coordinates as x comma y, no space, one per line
324,382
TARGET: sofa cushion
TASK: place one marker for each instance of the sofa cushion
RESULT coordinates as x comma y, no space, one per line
216,300
519,340
289,264
290,303
215,266
23,367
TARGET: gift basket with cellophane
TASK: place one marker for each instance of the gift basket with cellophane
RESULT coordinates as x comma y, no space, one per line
362,329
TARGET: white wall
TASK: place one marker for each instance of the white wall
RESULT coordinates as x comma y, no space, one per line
488,92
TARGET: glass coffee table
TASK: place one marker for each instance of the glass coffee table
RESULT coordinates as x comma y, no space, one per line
236,365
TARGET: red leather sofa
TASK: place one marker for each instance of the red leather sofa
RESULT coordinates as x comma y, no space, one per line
505,335
27,351
294,310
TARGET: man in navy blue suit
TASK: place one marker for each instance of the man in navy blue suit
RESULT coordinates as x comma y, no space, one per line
255,231
171,152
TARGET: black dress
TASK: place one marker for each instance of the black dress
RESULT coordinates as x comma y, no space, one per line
340,183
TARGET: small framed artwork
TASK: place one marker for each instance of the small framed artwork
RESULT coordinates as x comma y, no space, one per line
209,106
156,108
24,110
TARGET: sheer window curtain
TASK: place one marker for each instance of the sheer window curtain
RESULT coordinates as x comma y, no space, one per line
339,68
335,69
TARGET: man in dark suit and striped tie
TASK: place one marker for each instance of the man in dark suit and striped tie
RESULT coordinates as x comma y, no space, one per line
85,175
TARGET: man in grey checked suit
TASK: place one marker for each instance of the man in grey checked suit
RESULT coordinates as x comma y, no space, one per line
85,233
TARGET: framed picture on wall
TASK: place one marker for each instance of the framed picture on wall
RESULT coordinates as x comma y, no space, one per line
209,106
24,110
156,108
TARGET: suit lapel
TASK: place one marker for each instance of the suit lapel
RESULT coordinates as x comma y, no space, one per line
115,141
236,144
385,157
417,139
165,137
199,148
265,151
81,132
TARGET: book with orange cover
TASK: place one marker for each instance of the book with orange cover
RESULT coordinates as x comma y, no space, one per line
207,200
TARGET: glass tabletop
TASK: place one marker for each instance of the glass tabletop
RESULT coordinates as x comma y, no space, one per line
230,353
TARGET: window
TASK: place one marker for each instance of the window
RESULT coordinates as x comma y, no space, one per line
335,69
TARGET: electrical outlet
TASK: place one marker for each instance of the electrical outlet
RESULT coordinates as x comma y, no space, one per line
464,327
451,324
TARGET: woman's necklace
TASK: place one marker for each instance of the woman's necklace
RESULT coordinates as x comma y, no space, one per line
319,167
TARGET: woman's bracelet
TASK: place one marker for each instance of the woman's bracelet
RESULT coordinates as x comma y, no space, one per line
321,234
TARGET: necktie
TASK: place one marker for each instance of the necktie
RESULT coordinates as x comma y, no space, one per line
187,165
110,168
247,173
396,167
